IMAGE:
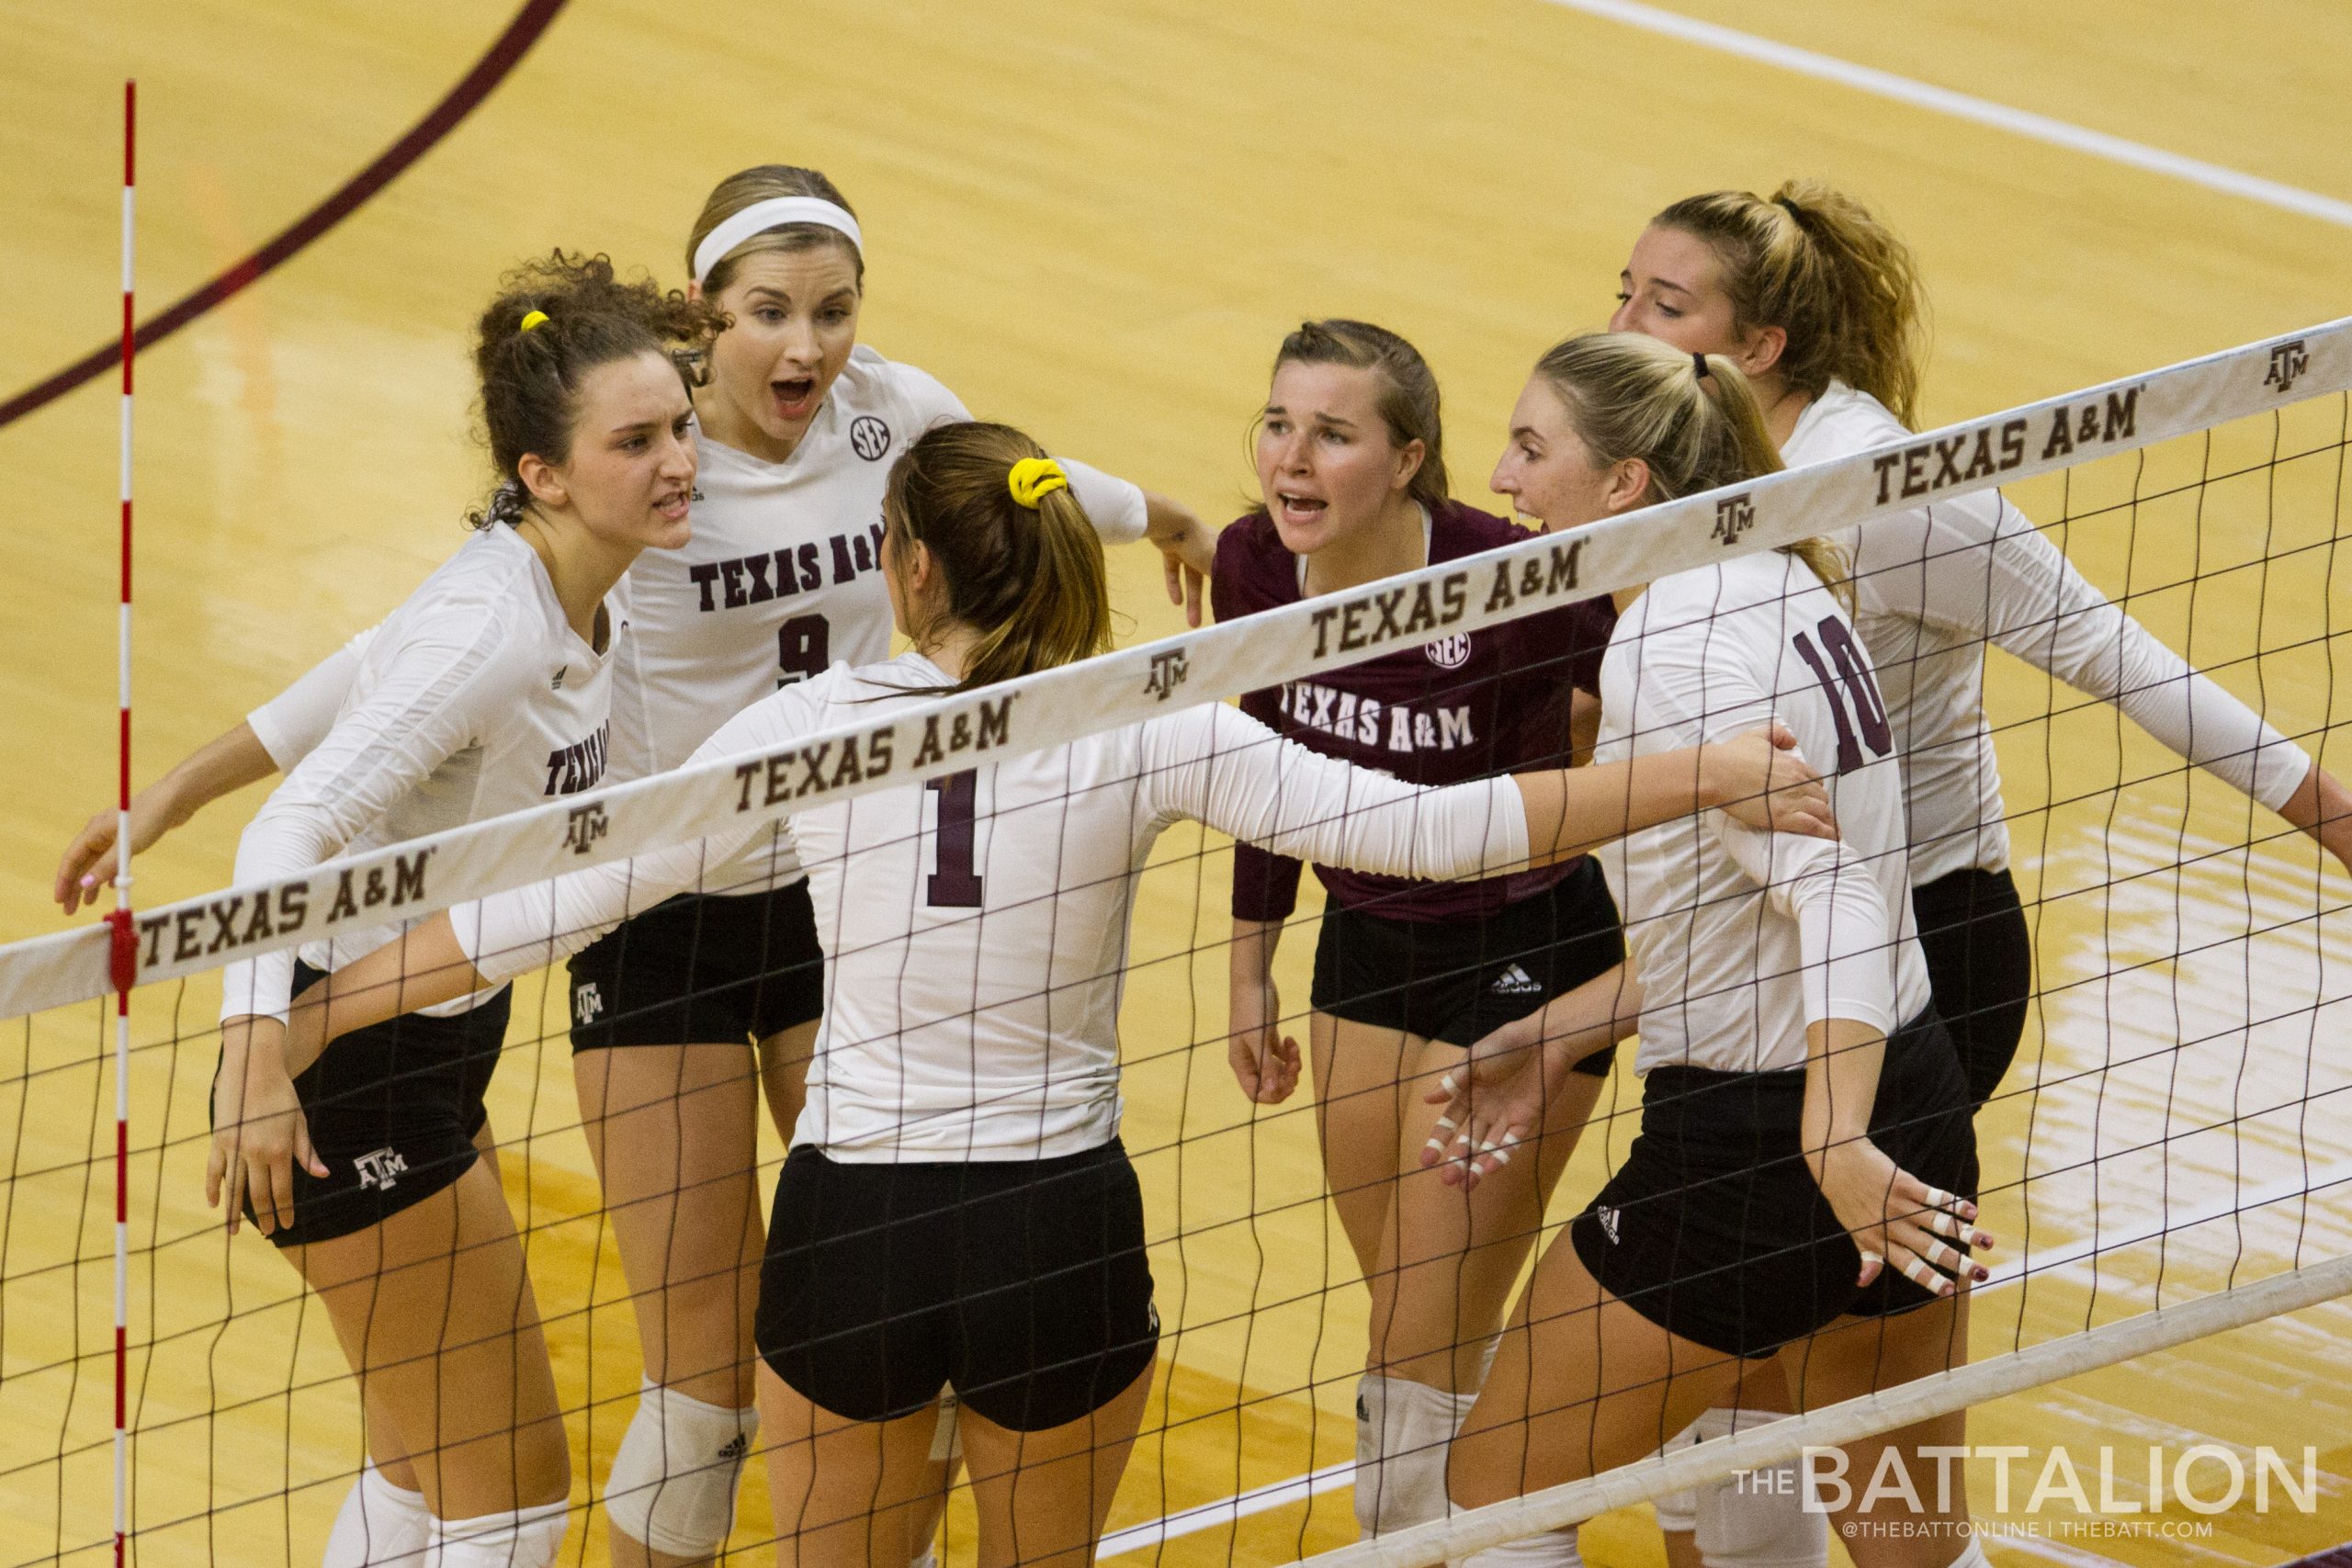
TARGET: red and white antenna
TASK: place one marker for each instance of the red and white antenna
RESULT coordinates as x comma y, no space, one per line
125,946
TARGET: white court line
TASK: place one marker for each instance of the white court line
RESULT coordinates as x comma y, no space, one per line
1961,106
2068,1259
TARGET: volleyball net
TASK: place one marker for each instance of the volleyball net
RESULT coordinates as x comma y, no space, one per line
2166,1160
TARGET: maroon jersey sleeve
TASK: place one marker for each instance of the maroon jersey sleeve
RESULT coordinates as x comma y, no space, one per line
1265,886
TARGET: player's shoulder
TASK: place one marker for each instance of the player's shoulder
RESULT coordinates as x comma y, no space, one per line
1457,529
1842,421
494,578
873,386
1254,568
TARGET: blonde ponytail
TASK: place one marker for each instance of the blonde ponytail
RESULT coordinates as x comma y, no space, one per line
1814,263
1692,419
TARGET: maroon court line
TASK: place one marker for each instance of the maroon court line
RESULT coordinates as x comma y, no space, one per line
479,82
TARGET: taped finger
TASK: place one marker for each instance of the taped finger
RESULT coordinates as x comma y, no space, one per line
1943,1222
1927,1279
1447,1084
1938,1199
1943,1256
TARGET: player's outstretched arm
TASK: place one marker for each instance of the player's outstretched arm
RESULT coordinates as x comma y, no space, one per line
1498,1097
1759,778
221,766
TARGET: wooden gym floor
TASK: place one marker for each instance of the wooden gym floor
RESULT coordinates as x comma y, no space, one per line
1097,222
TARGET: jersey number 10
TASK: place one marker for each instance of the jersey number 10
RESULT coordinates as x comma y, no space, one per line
1868,710
955,885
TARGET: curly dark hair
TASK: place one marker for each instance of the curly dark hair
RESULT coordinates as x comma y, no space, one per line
531,380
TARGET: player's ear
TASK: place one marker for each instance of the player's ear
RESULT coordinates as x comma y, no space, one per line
1629,485
1762,351
1409,463
539,477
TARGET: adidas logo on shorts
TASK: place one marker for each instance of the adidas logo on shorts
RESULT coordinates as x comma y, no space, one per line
1515,982
1607,1218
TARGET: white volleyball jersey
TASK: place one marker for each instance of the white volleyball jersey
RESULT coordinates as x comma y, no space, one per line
1934,585
975,927
474,698
783,578
1741,937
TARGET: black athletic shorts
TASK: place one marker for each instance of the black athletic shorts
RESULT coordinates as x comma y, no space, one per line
392,1110
1714,1228
1980,960
1022,1284
1459,982
701,969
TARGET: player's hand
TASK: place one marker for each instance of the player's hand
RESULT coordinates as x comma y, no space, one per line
1897,1220
1494,1101
259,1133
1188,553
89,860
1764,780
1264,1059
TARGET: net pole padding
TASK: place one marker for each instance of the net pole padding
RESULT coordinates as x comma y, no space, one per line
1056,707
1832,1426
122,952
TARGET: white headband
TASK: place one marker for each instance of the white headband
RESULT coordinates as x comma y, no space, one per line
774,213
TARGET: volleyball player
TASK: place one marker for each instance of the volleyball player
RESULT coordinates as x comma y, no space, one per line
799,424
1351,467
1822,307
1802,1186
957,1208
487,690
796,424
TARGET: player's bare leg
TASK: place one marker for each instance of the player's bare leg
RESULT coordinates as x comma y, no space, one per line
1044,1496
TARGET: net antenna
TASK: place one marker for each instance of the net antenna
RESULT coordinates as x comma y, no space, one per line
124,967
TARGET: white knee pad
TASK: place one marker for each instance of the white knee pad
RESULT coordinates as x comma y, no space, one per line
1403,1432
380,1526
527,1537
1679,1510
673,1483
1552,1549
1757,1519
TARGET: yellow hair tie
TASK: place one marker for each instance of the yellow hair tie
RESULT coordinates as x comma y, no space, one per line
1033,478
535,318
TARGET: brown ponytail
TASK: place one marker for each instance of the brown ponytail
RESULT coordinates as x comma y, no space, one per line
1814,263
1631,396
530,379
1030,582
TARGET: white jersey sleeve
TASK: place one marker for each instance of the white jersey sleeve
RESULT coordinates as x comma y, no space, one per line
1216,765
1115,506
443,685
293,722
1983,569
1212,764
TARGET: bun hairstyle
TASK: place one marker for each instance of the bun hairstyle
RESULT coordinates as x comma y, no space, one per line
1025,574
1815,263
1630,395
1408,395
554,320
769,182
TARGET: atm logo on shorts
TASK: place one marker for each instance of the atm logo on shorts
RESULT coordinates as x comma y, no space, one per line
2287,362
381,1169
586,1002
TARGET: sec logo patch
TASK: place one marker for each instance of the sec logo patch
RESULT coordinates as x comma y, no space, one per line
868,437
1450,652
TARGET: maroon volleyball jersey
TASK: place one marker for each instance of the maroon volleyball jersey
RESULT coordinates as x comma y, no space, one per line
1465,706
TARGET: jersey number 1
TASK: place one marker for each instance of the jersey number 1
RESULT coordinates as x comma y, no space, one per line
955,885
1869,710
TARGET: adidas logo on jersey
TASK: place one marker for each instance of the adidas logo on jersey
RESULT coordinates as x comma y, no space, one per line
736,1446
379,1168
1608,1218
1515,982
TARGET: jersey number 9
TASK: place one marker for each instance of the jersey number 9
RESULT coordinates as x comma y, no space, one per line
803,647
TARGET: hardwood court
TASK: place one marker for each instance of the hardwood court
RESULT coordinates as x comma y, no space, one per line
1097,222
